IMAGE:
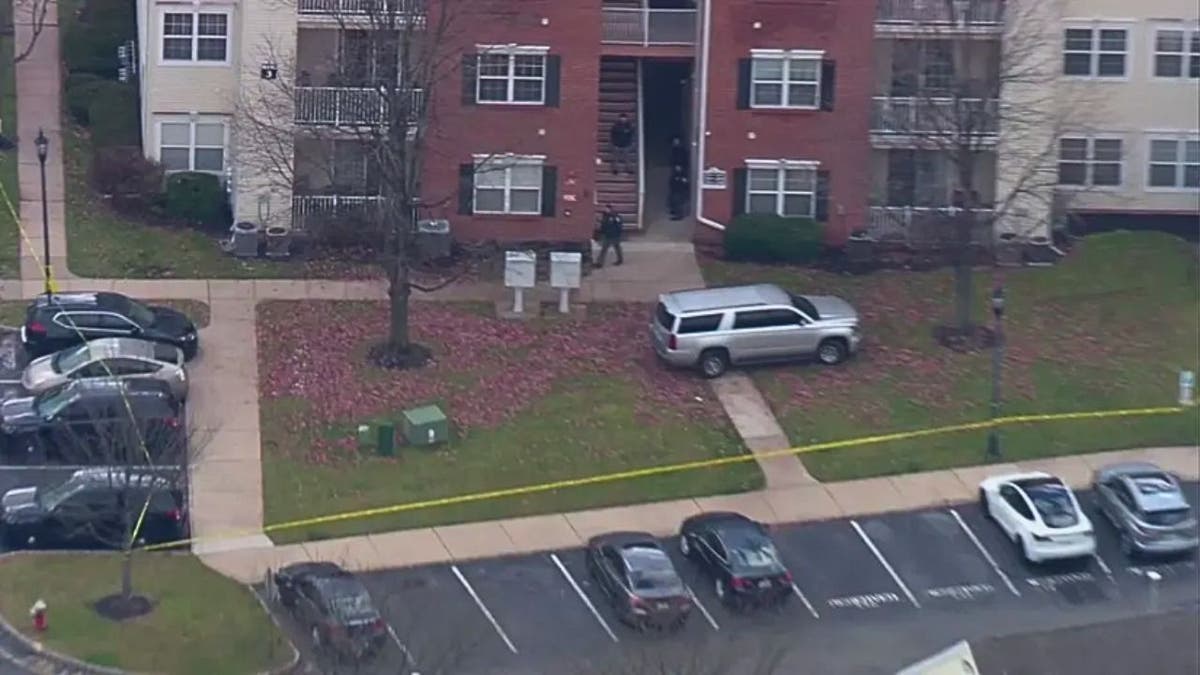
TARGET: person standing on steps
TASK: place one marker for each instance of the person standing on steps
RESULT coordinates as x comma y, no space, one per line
611,228
678,193
620,136
679,154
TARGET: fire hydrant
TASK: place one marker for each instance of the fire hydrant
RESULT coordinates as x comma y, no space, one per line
38,612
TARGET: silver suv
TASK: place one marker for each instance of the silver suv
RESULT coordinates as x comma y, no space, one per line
711,328
1147,507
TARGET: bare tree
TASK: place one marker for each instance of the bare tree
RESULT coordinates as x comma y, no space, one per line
393,54
989,110
26,12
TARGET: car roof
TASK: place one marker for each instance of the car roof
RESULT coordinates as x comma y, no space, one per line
1031,482
643,556
315,569
724,521
115,386
116,475
121,346
79,299
1155,490
726,297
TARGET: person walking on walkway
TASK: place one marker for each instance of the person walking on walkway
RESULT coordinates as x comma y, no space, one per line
620,136
678,193
610,230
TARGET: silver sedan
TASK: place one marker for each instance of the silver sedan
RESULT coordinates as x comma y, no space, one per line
122,358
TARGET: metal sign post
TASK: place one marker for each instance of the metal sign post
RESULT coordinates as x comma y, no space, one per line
566,272
520,272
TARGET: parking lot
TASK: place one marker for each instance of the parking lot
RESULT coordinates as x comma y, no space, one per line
935,567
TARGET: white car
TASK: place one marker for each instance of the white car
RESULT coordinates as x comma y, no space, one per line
1040,514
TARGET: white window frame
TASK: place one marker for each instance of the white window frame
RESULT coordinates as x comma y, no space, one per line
192,147
512,52
781,167
195,13
1094,51
1180,139
1190,31
1089,161
507,161
785,57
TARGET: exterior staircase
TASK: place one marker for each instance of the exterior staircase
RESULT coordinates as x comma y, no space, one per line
618,94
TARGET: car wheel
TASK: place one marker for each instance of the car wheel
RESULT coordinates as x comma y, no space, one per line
983,504
714,363
1022,550
685,549
831,352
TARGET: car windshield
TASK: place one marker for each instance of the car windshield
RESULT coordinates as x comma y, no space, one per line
664,317
752,552
70,359
1053,502
141,314
51,403
1167,517
801,303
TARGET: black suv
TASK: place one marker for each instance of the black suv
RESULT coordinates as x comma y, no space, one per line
57,321
88,422
90,507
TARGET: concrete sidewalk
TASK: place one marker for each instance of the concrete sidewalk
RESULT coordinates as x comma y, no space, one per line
568,530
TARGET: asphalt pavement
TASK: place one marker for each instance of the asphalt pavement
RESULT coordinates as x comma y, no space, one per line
871,595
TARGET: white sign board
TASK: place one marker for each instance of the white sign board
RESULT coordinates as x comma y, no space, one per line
566,269
714,179
520,269
1187,387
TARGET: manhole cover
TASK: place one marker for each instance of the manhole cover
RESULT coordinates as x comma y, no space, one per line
1081,592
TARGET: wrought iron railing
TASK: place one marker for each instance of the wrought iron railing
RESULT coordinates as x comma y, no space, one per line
928,225
944,116
940,13
647,27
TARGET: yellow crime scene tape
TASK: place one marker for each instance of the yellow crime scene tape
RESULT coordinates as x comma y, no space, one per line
632,474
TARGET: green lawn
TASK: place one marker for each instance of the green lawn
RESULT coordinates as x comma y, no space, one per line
10,240
12,312
1108,327
202,622
596,412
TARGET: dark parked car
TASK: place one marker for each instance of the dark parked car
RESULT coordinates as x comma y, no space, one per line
639,580
1147,507
57,321
84,421
740,557
89,508
334,606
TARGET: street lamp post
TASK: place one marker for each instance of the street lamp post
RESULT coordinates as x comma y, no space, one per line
993,442
43,149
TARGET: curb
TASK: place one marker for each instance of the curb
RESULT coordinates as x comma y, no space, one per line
73,665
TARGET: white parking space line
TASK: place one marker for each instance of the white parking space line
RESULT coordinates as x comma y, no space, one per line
703,610
487,614
986,555
583,596
807,604
410,661
886,565
1104,568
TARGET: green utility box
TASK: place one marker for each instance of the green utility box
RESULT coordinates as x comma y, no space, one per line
386,447
426,425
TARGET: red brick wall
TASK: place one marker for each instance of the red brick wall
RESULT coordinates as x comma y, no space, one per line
565,134
839,140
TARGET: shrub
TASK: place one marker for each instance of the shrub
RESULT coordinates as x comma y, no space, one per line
196,198
351,229
80,89
773,239
113,115
133,182
90,43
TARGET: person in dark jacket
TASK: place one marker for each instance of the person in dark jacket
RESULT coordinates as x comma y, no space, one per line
679,154
620,136
678,192
611,228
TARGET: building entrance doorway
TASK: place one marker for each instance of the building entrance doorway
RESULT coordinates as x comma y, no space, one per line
666,102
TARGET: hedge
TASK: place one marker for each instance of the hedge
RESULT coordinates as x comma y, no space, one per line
80,90
113,114
195,197
773,239
90,42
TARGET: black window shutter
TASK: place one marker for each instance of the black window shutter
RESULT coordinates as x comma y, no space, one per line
745,67
821,208
739,192
470,66
828,83
549,189
466,189
553,77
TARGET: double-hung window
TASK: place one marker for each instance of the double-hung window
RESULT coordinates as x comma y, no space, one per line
1174,163
1177,53
1087,161
508,184
187,145
785,79
516,75
1095,52
787,188
195,37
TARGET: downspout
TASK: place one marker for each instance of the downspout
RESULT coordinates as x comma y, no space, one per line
698,179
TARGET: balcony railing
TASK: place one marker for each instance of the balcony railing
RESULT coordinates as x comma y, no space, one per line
381,8
927,225
940,13
934,116
307,210
648,27
346,106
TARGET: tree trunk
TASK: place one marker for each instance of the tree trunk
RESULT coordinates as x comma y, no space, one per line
127,573
963,281
127,525
399,292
